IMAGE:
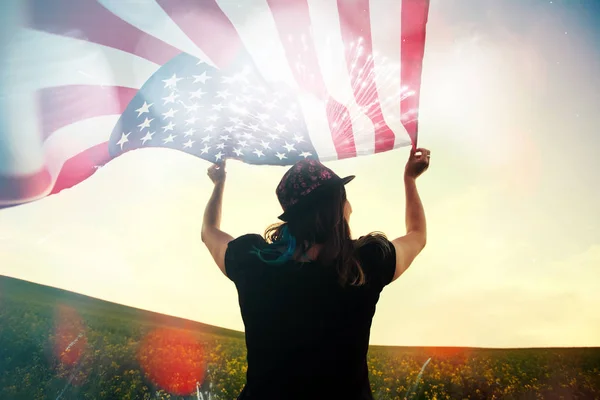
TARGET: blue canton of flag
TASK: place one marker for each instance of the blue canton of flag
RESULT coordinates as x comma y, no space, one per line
214,114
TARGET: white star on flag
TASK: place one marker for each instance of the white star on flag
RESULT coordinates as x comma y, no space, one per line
147,137
144,109
197,94
169,114
170,138
289,147
145,124
172,81
123,139
202,78
169,127
280,128
170,98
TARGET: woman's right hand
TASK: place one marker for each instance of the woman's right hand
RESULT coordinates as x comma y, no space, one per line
417,163
217,173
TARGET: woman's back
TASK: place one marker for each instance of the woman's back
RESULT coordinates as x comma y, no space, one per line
307,323
306,335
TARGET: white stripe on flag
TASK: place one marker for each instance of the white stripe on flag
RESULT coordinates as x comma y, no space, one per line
386,36
315,116
255,24
67,142
150,17
20,143
327,37
48,60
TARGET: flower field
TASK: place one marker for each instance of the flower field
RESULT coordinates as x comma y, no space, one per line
59,345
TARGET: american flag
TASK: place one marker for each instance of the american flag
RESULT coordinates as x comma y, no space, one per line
262,81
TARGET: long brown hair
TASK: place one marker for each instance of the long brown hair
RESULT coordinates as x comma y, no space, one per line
324,224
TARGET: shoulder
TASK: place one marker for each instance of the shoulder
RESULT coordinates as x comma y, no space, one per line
377,256
240,252
248,238
246,242
374,246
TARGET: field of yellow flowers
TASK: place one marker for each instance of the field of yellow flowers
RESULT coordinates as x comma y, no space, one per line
55,344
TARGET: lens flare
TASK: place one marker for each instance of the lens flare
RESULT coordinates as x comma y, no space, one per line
173,360
69,340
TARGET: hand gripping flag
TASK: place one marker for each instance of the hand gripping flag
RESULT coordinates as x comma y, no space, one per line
261,81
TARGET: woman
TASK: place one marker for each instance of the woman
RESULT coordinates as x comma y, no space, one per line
307,291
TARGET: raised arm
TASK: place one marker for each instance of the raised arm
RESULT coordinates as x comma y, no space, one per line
410,245
213,237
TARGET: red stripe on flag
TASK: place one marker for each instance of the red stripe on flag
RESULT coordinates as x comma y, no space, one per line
414,20
23,188
81,167
355,23
64,105
88,20
207,26
292,18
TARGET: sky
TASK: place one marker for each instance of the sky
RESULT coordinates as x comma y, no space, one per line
510,107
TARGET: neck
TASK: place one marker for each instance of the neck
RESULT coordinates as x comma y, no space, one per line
311,254
314,251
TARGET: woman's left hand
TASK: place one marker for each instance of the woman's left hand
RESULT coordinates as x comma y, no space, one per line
217,173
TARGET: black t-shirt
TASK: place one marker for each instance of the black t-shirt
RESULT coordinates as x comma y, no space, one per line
307,337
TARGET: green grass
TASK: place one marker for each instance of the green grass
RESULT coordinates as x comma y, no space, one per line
106,358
